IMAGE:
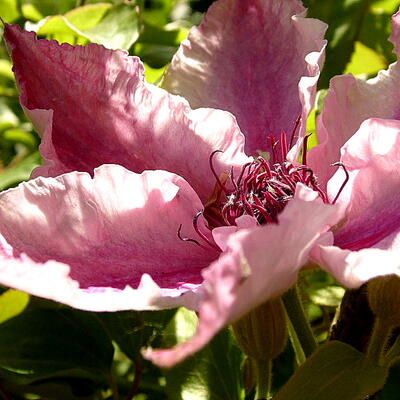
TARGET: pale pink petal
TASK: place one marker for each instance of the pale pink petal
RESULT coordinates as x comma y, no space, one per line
222,233
372,195
258,59
349,102
52,280
353,268
104,112
259,263
109,230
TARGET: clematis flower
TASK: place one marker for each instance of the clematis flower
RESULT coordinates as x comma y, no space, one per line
111,220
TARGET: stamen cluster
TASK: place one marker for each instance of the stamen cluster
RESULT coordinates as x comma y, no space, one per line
263,191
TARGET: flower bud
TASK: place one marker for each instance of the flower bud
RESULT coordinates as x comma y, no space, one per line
262,333
384,298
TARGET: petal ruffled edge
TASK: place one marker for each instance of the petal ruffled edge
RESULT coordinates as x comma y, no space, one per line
372,194
353,268
105,233
219,66
93,107
51,280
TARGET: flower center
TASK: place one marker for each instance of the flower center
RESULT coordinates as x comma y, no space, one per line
263,191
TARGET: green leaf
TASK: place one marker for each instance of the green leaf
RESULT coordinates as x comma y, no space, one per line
19,172
118,30
7,117
365,61
6,69
18,135
153,75
9,10
330,296
388,6
335,371
115,27
155,55
49,7
44,343
374,35
211,374
345,18
132,330
12,303
70,28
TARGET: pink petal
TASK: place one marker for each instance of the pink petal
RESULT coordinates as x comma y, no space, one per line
372,196
52,280
103,112
353,268
108,231
258,59
259,263
349,102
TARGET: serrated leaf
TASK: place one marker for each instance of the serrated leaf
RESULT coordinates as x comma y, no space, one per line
12,303
211,374
335,371
44,343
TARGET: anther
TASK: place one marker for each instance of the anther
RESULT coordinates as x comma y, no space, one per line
340,164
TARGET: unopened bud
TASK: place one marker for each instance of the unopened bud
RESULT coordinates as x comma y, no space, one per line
262,333
384,298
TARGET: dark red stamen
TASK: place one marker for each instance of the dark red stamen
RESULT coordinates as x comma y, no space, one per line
210,160
185,239
201,234
262,189
296,125
305,140
340,164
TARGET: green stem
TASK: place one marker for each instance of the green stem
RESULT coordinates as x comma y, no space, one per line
264,379
378,340
298,350
299,321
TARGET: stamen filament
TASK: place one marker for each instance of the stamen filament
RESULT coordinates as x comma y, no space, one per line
340,164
